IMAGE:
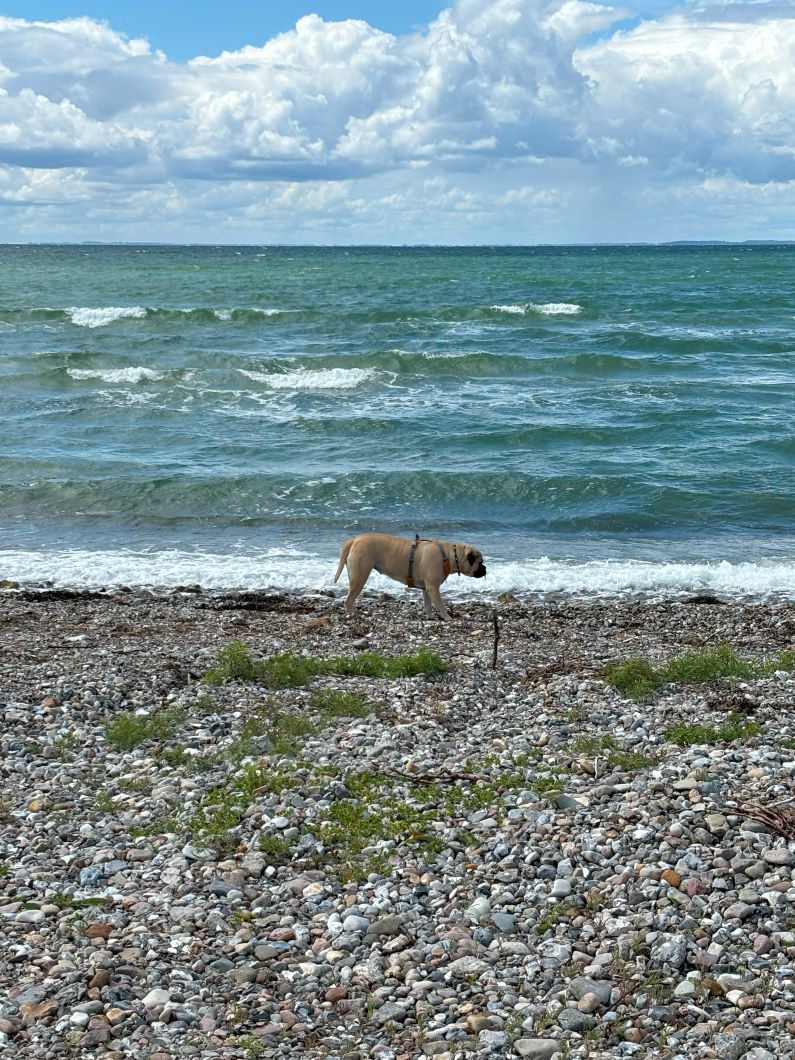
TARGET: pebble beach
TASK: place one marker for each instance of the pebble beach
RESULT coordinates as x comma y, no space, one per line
506,857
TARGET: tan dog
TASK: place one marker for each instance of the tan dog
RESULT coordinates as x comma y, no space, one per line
422,564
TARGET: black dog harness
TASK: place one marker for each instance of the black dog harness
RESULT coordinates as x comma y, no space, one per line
445,561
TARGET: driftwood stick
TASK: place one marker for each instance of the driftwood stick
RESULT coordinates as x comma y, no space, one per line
496,640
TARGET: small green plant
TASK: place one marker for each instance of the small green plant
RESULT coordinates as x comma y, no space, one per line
5,870
64,746
68,901
128,730
277,848
555,913
736,728
543,1021
160,826
206,704
336,704
103,802
251,1047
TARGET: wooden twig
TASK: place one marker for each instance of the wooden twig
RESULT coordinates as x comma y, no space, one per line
496,640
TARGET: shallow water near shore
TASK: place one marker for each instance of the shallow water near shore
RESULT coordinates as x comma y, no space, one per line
596,419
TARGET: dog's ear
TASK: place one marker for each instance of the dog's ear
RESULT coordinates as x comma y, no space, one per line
472,558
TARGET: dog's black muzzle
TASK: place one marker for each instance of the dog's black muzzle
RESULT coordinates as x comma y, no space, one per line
480,572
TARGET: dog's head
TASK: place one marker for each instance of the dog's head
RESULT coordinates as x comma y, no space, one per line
472,564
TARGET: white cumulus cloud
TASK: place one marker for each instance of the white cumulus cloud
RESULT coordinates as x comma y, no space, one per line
513,119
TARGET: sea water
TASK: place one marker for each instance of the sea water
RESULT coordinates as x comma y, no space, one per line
601,419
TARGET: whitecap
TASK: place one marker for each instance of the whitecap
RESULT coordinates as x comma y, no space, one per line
309,379
86,317
228,314
556,308
116,375
544,309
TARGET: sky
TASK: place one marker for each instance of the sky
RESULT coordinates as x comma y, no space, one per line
480,121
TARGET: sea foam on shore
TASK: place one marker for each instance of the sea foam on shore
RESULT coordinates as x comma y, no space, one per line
299,570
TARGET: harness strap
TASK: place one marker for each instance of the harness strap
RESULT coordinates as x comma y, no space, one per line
410,576
445,561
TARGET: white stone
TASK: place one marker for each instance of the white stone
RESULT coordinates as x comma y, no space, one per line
155,998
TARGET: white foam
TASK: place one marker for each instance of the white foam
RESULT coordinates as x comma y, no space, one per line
97,318
307,379
557,309
296,569
548,309
116,375
227,314
614,577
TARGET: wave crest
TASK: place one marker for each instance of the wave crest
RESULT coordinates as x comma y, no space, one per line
87,317
313,379
116,375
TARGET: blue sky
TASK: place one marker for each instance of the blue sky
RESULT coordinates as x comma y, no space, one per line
207,27
477,121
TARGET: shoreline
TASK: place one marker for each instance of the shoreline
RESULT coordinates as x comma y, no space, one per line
513,860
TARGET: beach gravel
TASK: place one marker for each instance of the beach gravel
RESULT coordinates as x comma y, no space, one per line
509,860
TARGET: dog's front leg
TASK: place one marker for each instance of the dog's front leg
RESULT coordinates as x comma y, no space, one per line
427,606
432,593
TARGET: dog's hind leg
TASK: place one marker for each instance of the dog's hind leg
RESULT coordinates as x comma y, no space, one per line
357,578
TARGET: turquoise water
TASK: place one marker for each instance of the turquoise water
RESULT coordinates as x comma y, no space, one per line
603,418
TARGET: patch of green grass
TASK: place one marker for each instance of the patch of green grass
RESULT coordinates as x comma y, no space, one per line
220,812
336,704
5,870
128,784
635,678
425,663
606,746
736,728
709,664
235,663
167,825
245,744
179,756
638,679
287,733
128,730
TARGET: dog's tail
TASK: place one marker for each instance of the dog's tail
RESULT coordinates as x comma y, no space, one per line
344,556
